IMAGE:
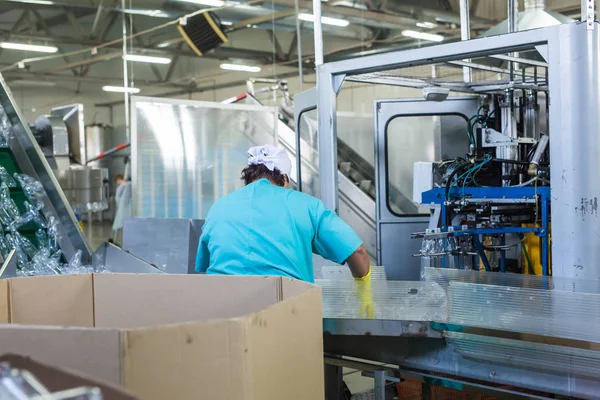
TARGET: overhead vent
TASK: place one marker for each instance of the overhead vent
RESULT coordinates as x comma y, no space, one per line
202,32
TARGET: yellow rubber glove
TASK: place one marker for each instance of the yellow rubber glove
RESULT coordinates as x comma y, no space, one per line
364,294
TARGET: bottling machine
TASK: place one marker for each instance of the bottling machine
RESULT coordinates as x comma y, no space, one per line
492,284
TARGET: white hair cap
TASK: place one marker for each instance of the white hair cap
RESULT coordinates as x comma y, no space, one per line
271,157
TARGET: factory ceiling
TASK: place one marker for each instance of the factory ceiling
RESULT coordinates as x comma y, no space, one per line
87,35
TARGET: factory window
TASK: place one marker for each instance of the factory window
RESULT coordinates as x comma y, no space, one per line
309,152
414,138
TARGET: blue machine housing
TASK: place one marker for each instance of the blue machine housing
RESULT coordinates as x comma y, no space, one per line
437,196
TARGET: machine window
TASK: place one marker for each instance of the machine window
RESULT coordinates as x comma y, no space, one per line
414,138
309,152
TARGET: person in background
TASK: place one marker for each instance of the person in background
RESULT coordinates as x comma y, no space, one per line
123,202
266,229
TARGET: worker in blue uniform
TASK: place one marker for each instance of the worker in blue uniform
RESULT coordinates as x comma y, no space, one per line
265,228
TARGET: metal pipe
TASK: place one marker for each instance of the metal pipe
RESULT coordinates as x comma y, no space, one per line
512,27
465,34
539,151
125,73
299,44
318,32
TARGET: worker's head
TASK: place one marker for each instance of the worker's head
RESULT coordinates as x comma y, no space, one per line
119,179
268,162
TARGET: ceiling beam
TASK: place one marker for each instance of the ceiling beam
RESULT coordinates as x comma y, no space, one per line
61,19
262,19
220,53
48,31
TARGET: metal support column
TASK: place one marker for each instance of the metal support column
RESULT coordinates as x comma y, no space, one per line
465,34
326,108
318,32
125,72
380,384
334,382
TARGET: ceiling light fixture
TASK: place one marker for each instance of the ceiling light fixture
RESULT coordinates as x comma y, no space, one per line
422,35
210,3
324,20
240,67
146,59
40,2
427,25
28,47
120,89
26,82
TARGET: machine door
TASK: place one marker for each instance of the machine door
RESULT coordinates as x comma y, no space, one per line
408,131
307,154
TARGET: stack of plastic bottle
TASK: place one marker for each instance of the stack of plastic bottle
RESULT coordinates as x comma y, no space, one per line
44,257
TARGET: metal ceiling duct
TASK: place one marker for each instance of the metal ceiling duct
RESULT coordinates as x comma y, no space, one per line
535,15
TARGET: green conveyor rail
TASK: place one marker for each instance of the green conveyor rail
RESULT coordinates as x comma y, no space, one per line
7,160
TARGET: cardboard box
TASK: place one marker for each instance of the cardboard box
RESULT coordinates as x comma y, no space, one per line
172,336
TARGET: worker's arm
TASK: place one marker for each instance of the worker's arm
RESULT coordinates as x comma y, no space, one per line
359,262
336,241
203,256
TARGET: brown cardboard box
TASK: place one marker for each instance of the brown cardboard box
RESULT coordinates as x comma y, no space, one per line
172,336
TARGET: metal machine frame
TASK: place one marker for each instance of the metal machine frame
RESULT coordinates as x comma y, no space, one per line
573,86
30,159
573,61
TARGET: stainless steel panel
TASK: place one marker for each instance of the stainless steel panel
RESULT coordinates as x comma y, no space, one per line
29,157
9,266
574,148
72,116
170,244
188,154
117,260
96,141
396,249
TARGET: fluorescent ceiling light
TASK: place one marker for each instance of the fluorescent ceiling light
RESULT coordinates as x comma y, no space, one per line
324,20
120,89
240,67
210,3
427,25
28,47
423,35
226,23
147,12
26,82
147,59
40,2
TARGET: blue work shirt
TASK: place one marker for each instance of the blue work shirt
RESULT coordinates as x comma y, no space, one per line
264,229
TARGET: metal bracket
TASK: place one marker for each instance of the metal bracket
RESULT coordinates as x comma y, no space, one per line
588,11
338,81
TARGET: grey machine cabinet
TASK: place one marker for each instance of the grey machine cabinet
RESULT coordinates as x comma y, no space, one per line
404,130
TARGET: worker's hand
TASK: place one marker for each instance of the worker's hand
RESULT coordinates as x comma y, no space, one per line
364,294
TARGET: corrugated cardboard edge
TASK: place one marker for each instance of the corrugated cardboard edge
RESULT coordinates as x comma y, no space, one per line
184,361
91,351
4,301
63,300
286,341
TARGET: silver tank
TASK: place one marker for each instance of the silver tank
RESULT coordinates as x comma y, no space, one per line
86,188
96,141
